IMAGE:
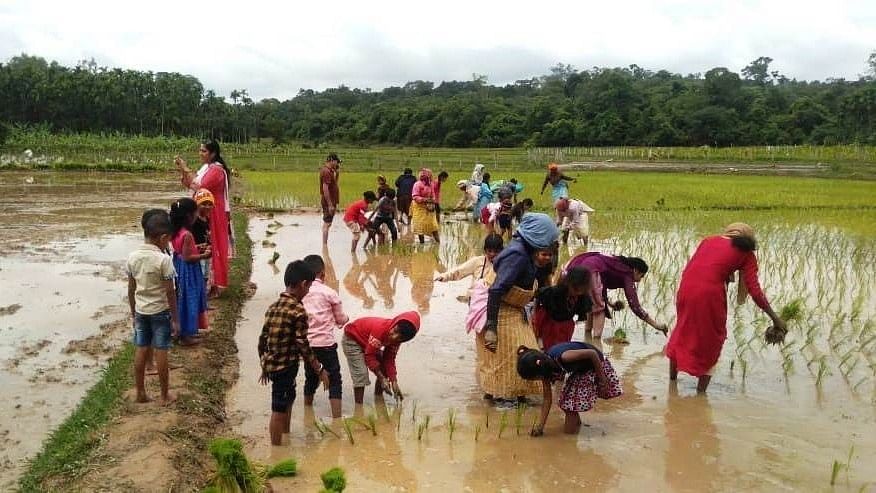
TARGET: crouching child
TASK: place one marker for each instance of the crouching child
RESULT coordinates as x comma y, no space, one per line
587,372
371,344
283,343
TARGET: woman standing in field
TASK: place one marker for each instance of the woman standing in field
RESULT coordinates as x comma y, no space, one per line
214,175
612,272
701,301
557,181
423,220
506,328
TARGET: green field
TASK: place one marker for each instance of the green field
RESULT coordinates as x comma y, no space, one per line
625,198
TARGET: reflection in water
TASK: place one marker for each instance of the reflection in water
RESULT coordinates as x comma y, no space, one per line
383,269
331,279
691,462
423,267
354,282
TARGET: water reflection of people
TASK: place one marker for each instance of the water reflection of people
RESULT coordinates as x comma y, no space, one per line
691,462
423,266
384,271
354,283
331,279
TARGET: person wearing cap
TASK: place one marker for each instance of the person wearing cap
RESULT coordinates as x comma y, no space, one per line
469,195
701,302
329,192
573,215
201,228
557,180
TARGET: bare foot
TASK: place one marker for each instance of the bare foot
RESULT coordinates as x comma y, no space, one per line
143,399
188,341
151,370
165,401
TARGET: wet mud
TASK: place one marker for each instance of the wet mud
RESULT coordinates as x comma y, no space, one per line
763,431
63,308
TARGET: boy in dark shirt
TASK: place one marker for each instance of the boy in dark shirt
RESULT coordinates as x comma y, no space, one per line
404,185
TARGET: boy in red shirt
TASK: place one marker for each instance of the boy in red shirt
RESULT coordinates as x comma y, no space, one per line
371,343
355,218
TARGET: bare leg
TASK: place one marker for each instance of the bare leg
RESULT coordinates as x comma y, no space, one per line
565,236
598,323
703,383
308,400
420,237
673,370
163,376
325,231
435,235
572,424
140,358
150,362
336,407
275,426
287,424
358,394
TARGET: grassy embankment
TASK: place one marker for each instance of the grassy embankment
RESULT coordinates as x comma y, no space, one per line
73,449
624,199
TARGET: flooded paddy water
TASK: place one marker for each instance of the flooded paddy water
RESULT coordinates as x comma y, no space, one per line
63,301
775,419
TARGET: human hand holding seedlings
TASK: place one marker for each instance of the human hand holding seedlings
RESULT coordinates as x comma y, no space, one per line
618,305
491,337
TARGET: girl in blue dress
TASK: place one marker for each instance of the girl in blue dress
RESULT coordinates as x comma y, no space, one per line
191,294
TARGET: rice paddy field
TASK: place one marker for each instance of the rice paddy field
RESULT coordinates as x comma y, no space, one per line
795,417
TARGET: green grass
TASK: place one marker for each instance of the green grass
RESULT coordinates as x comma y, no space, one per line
626,199
68,449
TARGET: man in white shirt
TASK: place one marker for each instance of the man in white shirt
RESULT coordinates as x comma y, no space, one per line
573,215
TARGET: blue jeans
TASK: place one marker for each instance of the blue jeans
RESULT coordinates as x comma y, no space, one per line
152,330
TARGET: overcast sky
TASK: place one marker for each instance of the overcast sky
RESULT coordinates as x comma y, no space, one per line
273,49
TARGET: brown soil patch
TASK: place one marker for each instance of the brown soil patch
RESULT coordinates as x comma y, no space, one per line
101,344
9,310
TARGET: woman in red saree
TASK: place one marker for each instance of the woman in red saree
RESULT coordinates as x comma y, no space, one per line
701,302
214,176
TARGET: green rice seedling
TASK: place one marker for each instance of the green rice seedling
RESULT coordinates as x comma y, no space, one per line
487,419
477,432
318,426
334,480
860,382
274,258
349,431
327,428
503,423
414,413
822,371
519,413
867,342
423,427
834,471
284,468
451,422
372,423
793,311
744,365
234,472
268,244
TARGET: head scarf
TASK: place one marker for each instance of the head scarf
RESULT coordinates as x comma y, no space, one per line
425,174
562,204
204,196
477,175
740,230
538,230
553,167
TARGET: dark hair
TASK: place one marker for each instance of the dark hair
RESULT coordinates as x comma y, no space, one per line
634,263
409,171
486,178
369,196
156,222
494,241
576,276
296,272
212,145
314,263
513,180
505,193
744,243
443,174
406,330
333,156
521,207
533,364
180,212
389,193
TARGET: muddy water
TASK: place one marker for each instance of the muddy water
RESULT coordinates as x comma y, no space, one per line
63,241
766,431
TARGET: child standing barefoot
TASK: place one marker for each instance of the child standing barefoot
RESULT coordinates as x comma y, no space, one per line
325,313
191,296
587,372
152,298
283,343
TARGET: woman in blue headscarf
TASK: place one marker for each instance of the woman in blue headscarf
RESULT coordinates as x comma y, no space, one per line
519,268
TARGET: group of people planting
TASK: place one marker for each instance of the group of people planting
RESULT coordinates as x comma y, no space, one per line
523,307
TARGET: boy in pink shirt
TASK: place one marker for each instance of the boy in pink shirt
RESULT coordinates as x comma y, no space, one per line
324,315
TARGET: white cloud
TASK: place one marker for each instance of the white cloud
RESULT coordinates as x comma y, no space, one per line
274,49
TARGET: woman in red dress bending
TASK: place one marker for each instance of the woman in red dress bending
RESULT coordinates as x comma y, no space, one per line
701,303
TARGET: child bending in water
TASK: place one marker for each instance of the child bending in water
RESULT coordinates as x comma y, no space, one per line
557,306
587,372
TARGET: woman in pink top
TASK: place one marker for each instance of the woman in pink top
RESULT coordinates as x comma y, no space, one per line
213,176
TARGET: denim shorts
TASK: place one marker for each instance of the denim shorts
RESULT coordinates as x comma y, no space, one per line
283,388
152,330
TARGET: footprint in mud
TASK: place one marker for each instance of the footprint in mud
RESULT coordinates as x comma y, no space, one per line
9,310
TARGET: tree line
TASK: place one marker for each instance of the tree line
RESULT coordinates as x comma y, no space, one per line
566,107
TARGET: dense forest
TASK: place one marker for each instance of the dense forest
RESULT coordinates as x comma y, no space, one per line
599,106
